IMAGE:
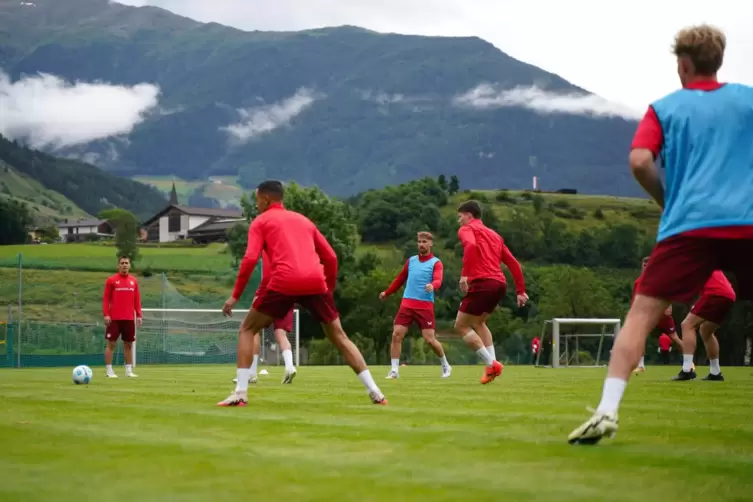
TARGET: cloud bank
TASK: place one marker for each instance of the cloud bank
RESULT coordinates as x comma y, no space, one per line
259,120
47,112
487,96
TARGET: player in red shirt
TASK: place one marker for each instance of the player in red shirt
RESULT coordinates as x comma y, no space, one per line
708,313
535,347
483,283
303,271
703,134
417,305
121,303
281,329
665,347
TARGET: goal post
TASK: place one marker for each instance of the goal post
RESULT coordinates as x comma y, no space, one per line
202,336
571,343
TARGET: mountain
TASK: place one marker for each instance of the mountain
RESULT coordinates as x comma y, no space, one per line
345,108
57,188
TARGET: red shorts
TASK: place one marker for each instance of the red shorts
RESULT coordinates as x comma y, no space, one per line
123,328
712,308
666,325
278,305
482,297
424,318
286,323
680,266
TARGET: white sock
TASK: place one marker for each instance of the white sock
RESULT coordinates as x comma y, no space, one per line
687,362
714,368
287,356
395,364
490,350
368,381
443,361
612,395
129,368
485,356
109,368
641,363
242,385
254,365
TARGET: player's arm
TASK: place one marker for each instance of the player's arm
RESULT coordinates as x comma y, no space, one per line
137,302
250,259
397,283
437,276
647,144
328,258
106,297
468,241
514,266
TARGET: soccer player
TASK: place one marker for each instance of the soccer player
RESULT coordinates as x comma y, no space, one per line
704,134
422,275
535,347
121,309
708,313
483,283
281,329
303,271
665,347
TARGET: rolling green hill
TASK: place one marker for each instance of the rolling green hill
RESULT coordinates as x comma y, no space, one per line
344,108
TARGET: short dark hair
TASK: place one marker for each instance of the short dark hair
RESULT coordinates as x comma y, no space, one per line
123,257
272,188
645,260
471,206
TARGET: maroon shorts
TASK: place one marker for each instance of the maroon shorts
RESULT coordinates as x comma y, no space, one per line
712,308
424,318
482,297
286,323
124,328
680,266
666,325
278,305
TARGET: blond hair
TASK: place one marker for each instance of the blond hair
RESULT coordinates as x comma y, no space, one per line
426,235
704,45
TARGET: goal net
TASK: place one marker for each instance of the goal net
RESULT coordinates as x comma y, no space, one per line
576,342
202,336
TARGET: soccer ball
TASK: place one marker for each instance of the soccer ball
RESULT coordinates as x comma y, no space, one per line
82,374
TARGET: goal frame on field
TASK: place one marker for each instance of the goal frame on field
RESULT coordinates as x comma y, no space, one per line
238,314
557,338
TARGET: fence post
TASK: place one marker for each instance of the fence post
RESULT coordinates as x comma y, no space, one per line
9,337
20,311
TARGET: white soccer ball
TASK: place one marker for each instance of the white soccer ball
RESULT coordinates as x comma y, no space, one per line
82,374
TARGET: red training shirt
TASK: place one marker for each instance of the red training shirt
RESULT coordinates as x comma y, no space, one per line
535,344
436,281
650,136
718,285
665,342
121,298
301,260
483,251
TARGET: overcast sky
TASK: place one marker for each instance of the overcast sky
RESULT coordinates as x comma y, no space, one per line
595,44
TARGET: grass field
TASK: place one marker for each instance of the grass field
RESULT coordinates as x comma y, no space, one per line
223,188
101,257
161,437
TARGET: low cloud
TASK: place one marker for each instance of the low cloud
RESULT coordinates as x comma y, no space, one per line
262,119
487,96
48,112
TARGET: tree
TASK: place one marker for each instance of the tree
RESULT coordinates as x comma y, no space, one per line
49,233
126,231
454,185
237,238
573,292
442,180
15,222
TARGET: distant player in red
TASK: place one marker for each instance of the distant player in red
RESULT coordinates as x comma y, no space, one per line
665,347
483,283
121,309
303,271
535,347
703,134
708,313
422,276
281,329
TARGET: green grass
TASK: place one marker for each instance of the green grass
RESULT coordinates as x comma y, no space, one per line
101,257
161,437
223,188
